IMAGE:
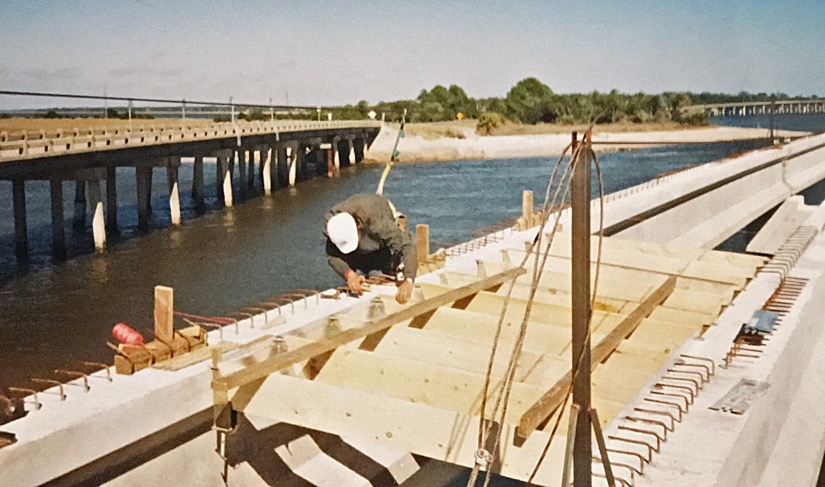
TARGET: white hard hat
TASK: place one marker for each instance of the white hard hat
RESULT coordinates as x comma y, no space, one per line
343,232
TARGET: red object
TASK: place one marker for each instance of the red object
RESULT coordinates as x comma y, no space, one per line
126,334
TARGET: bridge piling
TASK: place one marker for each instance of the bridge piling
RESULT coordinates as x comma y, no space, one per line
266,171
58,235
174,195
292,158
94,196
225,178
21,240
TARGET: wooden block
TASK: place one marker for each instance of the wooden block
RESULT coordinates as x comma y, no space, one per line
131,359
527,207
422,242
164,313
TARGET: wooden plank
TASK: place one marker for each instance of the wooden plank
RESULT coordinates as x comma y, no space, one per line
281,361
420,429
551,314
470,356
563,298
553,398
682,317
527,207
481,328
423,382
422,242
164,313
699,302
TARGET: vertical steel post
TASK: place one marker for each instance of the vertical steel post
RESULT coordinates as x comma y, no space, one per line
582,461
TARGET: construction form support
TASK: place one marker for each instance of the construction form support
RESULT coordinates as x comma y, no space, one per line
21,239
111,199
58,235
581,312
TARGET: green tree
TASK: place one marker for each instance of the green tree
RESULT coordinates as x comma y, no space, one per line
530,101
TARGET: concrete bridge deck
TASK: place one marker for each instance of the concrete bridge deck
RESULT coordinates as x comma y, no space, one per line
285,152
744,108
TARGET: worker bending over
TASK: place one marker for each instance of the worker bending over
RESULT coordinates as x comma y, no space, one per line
363,239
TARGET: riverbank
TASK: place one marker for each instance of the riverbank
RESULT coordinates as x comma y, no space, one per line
460,141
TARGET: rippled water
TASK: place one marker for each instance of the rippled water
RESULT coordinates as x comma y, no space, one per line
57,313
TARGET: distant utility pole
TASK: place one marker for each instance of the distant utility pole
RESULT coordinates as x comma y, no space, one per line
271,111
183,108
773,122
232,108
105,103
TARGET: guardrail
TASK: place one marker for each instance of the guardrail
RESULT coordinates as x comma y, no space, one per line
30,144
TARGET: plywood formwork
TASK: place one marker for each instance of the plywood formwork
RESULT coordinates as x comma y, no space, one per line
419,383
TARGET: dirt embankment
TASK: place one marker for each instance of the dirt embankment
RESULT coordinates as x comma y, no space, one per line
448,141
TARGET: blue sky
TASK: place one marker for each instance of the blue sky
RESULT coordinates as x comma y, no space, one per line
335,52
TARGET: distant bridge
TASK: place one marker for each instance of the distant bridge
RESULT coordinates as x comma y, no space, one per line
285,151
742,109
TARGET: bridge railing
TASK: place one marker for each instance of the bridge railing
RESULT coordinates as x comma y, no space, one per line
39,143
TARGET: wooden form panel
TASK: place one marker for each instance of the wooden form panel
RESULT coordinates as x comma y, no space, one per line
481,328
624,285
731,275
470,356
423,383
562,269
424,430
551,314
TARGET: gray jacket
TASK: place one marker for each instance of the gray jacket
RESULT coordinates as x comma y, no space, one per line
378,232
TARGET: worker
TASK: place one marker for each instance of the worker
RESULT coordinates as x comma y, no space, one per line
364,240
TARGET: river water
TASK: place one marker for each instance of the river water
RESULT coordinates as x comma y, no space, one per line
55,314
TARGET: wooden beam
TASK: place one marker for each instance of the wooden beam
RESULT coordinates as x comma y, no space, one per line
164,309
418,428
279,362
553,398
422,242
527,207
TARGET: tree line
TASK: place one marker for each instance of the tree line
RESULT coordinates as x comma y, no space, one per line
530,101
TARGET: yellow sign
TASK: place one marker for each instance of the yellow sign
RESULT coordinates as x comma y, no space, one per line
459,116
